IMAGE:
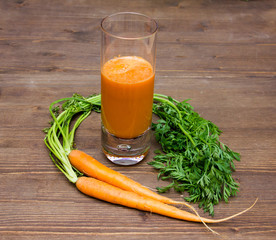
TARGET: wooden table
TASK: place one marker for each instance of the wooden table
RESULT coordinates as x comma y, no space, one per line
220,54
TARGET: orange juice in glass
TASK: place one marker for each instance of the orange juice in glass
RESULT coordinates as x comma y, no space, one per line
127,85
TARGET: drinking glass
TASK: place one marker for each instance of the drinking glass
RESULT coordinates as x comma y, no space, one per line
128,55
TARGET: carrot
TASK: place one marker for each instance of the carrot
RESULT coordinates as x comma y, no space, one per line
109,193
93,168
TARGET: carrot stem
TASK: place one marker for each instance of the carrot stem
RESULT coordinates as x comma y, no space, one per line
60,132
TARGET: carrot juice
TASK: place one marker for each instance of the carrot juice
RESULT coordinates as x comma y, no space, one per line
127,85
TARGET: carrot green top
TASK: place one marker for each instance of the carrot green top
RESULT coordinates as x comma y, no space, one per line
60,136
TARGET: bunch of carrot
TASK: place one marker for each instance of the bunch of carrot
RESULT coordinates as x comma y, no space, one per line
100,181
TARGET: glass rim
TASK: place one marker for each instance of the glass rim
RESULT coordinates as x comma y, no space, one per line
129,38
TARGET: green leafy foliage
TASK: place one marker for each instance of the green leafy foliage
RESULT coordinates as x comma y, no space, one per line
193,158
59,137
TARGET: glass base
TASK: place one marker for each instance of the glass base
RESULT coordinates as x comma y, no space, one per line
124,151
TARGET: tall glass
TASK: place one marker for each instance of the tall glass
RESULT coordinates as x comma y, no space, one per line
128,53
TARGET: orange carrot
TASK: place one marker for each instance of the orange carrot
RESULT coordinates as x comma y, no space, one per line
106,192
93,168
117,181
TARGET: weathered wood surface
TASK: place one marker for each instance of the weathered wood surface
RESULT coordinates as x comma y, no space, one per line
221,54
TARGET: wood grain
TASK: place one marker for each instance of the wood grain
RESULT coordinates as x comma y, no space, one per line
219,54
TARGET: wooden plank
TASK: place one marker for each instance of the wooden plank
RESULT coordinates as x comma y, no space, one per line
200,35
